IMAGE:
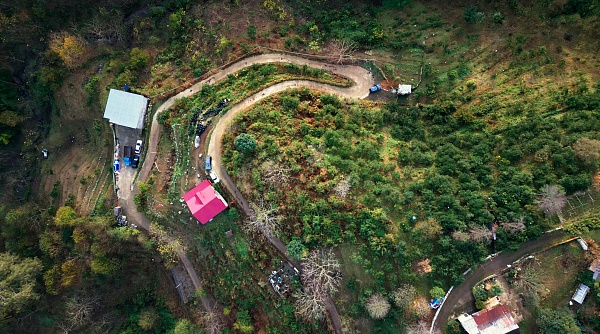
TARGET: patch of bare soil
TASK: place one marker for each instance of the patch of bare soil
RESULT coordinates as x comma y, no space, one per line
512,300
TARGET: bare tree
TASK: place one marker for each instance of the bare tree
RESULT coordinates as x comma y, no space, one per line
320,276
515,226
587,149
310,303
275,174
480,233
343,187
265,220
460,236
105,27
404,296
551,199
321,271
341,49
79,309
377,306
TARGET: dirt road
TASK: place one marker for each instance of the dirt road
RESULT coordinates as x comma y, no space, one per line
461,296
360,76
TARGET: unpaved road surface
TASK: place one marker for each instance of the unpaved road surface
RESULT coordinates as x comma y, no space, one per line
461,296
362,82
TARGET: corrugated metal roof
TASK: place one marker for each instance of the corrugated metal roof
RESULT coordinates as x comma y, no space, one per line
581,292
126,109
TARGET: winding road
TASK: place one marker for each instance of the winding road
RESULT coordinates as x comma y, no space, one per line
360,89
362,82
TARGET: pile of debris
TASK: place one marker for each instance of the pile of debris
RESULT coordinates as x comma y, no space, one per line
281,279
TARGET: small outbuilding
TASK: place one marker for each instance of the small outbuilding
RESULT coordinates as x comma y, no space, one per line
126,109
204,202
581,293
404,89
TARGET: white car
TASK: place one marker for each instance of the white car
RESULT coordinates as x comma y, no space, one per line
138,146
213,177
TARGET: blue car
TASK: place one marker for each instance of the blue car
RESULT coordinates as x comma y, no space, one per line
116,166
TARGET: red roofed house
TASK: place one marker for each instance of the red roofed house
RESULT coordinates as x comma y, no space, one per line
204,202
497,320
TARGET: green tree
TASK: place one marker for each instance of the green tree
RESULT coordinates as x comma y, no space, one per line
243,322
65,217
559,321
296,249
185,326
17,282
245,143
147,319
437,292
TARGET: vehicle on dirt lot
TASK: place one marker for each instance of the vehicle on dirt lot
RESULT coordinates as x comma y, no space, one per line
135,161
213,177
138,146
375,88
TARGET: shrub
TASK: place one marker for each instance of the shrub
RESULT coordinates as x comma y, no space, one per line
498,17
437,292
473,16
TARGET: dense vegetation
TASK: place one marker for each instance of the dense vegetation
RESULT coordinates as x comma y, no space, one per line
506,112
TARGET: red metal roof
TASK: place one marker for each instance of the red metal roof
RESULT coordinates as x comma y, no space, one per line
204,202
486,318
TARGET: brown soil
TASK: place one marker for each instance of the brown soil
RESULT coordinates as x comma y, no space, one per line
77,151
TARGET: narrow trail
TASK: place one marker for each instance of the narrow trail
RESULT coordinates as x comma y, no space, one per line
362,82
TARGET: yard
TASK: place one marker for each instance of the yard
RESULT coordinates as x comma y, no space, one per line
547,281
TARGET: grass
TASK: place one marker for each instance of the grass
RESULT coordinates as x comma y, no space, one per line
558,269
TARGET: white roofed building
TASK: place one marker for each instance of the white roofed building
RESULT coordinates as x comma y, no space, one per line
126,109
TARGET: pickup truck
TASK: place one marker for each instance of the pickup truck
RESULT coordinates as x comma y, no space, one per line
127,150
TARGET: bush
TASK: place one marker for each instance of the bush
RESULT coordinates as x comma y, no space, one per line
245,143
498,17
473,16
437,292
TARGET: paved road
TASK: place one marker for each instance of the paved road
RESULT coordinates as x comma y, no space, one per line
461,295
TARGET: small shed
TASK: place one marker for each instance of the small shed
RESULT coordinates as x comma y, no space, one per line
581,293
404,89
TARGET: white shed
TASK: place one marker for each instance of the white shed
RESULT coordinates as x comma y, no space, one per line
404,89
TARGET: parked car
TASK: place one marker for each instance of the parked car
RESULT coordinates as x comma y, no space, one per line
375,88
45,153
116,165
138,146
208,163
135,161
213,177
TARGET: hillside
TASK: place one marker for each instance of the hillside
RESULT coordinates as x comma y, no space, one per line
499,135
